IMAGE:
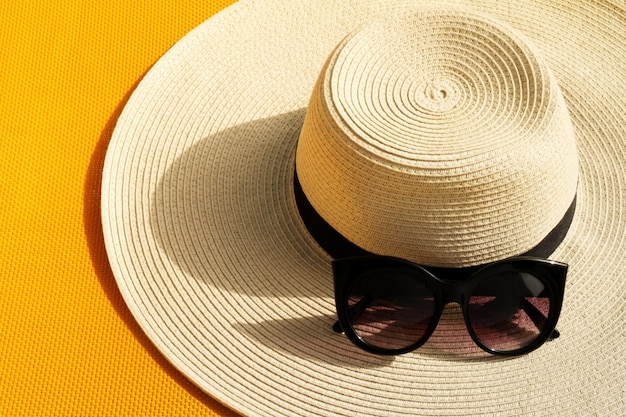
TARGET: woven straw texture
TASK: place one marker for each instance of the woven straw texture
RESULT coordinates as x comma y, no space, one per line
215,264
429,125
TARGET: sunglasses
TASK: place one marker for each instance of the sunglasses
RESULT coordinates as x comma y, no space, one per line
391,306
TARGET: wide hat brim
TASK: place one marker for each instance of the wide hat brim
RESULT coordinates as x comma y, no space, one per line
211,256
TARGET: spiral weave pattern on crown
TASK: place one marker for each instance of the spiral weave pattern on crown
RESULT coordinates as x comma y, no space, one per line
438,137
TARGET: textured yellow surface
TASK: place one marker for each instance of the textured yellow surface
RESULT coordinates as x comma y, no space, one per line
68,344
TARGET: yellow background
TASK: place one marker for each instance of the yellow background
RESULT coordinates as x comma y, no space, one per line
68,344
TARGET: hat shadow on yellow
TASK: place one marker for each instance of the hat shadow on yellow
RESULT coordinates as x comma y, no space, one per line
92,223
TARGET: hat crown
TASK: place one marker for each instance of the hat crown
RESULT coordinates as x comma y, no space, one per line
438,137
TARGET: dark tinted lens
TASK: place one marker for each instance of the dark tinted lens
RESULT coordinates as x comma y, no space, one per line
390,309
508,311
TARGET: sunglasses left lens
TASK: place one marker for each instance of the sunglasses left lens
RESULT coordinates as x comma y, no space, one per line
389,309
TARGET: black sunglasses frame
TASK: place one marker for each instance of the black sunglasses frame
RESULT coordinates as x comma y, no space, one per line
551,273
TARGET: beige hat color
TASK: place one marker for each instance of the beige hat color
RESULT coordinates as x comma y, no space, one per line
452,136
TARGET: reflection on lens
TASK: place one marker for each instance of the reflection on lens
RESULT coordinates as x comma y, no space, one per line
390,310
508,312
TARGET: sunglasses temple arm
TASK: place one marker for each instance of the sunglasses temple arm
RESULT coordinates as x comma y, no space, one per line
337,328
537,317
355,312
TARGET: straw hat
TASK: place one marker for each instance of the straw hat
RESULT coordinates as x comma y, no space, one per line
450,136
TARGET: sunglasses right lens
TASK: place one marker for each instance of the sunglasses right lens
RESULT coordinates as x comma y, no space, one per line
390,310
508,312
